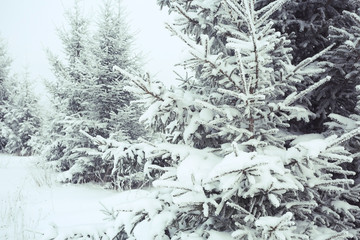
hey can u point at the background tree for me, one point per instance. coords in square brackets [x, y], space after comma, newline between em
[312, 26]
[5, 63]
[68, 94]
[345, 59]
[113, 47]
[74, 70]
[89, 94]
[308, 24]
[22, 119]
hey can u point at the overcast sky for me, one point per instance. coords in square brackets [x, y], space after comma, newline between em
[29, 27]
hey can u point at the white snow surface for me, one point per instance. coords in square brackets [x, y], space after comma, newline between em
[34, 206]
[312, 143]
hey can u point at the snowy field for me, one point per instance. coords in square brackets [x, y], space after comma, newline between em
[34, 206]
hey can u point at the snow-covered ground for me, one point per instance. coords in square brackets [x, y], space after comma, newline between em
[34, 206]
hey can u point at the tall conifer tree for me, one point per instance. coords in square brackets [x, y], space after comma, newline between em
[5, 63]
[113, 47]
[89, 94]
[306, 24]
[309, 25]
[22, 119]
[345, 67]
[228, 170]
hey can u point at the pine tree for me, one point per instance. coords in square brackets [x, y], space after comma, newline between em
[113, 47]
[22, 119]
[90, 95]
[340, 96]
[249, 87]
[228, 167]
[346, 70]
[5, 63]
[309, 25]
[69, 91]
[75, 71]
[306, 24]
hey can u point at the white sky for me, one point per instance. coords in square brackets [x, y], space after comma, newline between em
[29, 27]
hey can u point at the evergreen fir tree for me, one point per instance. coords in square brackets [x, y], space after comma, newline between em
[69, 92]
[90, 95]
[113, 47]
[5, 63]
[75, 71]
[345, 69]
[22, 120]
[309, 25]
[306, 24]
[340, 96]
[227, 162]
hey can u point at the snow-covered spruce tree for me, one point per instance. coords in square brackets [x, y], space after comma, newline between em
[346, 68]
[231, 175]
[74, 70]
[68, 93]
[22, 120]
[313, 25]
[5, 63]
[306, 23]
[111, 104]
[90, 95]
[113, 47]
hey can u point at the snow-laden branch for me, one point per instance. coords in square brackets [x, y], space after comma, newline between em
[308, 61]
[139, 82]
[268, 10]
[345, 137]
[296, 96]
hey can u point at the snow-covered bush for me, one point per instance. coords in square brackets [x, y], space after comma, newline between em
[121, 163]
[67, 152]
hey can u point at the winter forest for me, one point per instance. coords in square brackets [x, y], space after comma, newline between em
[257, 138]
